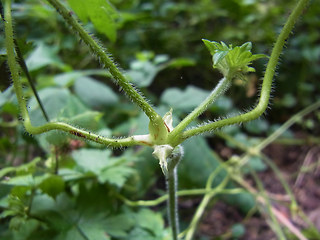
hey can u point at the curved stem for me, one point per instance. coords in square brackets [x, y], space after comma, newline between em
[221, 87]
[191, 192]
[205, 201]
[286, 125]
[266, 85]
[13, 66]
[106, 60]
[123, 142]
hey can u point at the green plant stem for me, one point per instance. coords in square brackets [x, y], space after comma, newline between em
[223, 85]
[276, 225]
[191, 192]
[30, 80]
[266, 85]
[13, 66]
[295, 118]
[310, 140]
[205, 201]
[173, 202]
[275, 169]
[106, 60]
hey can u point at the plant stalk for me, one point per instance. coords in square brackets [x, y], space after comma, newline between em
[266, 84]
[223, 85]
[106, 60]
[14, 69]
[173, 202]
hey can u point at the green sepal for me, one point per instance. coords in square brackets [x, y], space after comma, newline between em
[158, 131]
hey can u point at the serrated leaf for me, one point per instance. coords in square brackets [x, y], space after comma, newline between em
[151, 221]
[116, 175]
[92, 160]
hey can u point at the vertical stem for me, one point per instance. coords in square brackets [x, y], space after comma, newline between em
[13, 66]
[56, 158]
[30, 80]
[172, 202]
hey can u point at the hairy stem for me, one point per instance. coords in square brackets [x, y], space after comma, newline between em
[267, 81]
[172, 182]
[221, 87]
[105, 59]
[13, 66]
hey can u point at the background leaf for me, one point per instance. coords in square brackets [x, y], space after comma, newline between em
[184, 100]
[101, 13]
[93, 93]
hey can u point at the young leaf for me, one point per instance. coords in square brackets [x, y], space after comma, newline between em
[232, 62]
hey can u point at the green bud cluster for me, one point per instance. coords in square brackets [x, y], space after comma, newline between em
[232, 62]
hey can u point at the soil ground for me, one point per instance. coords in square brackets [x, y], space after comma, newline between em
[291, 161]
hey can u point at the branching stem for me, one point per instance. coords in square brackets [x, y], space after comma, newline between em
[173, 138]
[266, 85]
[221, 87]
[13, 66]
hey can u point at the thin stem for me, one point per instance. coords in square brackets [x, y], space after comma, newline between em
[276, 226]
[123, 142]
[295, 118]
[106, 60]
[172, 182]
[30, 80]
[205, 201]
[221, 87]
[282, 180]
[266, 85]
[191, 192]
[172, 202]
[13, 66]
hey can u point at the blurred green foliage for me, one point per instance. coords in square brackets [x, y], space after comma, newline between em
[65, 188]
